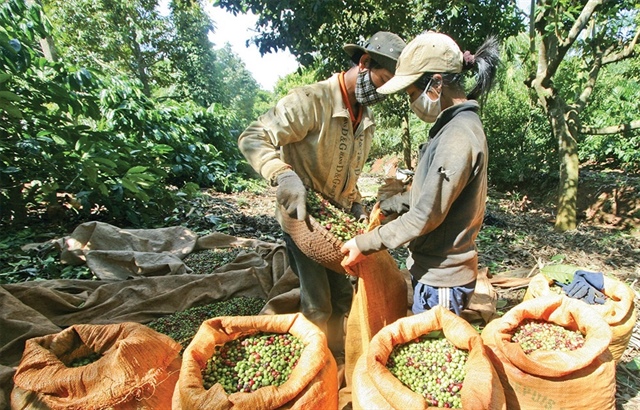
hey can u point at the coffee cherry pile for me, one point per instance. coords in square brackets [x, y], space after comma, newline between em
[182, 326]
[85, 360]
[204, 262]
[534, 334]
[341, 224]
[251, 362]
[433, 368]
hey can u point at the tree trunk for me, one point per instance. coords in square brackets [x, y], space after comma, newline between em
[140, 66]
[46, 44]
[566, 218]
[406, 141]
[49, 49]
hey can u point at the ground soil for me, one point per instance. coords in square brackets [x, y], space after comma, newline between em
[517, 239]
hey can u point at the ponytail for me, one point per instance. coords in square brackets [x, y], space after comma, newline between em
[486, 60]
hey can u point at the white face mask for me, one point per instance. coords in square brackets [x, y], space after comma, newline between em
[425, 108]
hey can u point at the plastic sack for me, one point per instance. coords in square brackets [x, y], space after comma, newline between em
[313, 383]
[618, 310]
[138, 369]
[550, 379]
[380, 299]
[375, 387]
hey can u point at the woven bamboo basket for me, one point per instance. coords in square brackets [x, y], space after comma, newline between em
[318, 243]
[315, 241]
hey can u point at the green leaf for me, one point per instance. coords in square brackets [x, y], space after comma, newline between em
[143, 195]
[59, 140]
[81, 143]
[142, 177]
[129, 185]
[9, 96]
[59, 91]
[435, 334]
[11, 109]
[162, 149]
[91, 172]
[136, 170]
[561, 273]
[103, 189]
[143, 184]
[4, 77]
[46, 140]
[106, 161]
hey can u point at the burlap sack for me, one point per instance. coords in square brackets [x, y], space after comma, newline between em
[138, 369]
[375, 387]
[313, 383]
[391, 187]
[381, 297]
[579, 379]
[618, 310]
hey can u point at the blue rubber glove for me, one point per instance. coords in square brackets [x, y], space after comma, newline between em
[586, 286]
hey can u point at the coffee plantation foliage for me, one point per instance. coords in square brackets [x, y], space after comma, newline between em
[78, 138]
[94, 144]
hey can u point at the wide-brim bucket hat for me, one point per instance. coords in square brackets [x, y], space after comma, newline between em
[383, 47]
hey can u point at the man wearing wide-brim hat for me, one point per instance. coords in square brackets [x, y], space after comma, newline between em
[318, 137]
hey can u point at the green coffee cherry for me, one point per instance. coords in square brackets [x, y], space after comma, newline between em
[182, 326]
[341, 224]
[85, 360]
[535, 334]
[251, 362]
[433, 368]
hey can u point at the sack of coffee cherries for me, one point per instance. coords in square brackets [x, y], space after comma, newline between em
[257, 362]
[115, 366]
[552, 352]
[618, 309]
[427, 361]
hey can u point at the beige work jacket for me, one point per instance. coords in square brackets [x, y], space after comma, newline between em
[310, 130]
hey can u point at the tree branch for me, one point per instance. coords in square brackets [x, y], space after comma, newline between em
[592, 78]
[614, 129]
[565, 44]
[626, 52]
[580, 23]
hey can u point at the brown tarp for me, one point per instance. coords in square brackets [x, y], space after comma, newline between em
[142, 277]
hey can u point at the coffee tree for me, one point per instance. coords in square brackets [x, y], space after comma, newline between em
[73, 138]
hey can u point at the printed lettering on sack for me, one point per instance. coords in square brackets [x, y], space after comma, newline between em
[535, 396]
